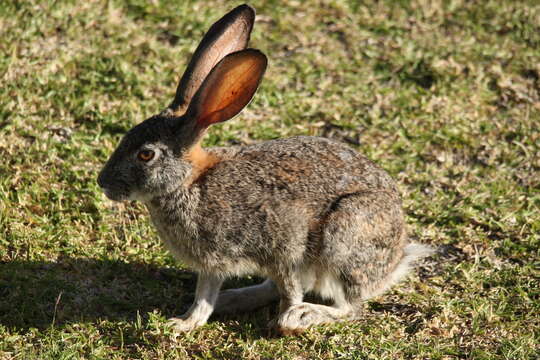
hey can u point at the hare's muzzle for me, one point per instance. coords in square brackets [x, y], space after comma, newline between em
[112, 191]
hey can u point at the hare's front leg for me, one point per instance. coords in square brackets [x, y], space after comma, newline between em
[206, 293]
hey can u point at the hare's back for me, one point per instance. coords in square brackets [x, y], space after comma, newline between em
[304, 168]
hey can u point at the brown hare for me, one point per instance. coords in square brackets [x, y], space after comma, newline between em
[307, 213]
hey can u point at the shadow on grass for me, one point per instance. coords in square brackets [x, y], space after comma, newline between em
[37, 294]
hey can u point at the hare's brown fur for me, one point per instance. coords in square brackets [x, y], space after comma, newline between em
[307, 213]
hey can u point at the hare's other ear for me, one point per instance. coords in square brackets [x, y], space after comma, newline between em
[230, 34]
[228, 88]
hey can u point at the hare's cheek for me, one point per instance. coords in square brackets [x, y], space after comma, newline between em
[142, 196]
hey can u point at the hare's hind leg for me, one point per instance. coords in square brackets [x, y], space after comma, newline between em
[361, 255]
[364, 238]
[247, 298]
[299, 316]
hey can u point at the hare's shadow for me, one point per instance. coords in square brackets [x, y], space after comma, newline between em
[38, 294]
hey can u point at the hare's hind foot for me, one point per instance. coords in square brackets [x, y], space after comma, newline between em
[299, 317]
[247, 298]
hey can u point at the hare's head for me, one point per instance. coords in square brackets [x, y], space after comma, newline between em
[163, 152]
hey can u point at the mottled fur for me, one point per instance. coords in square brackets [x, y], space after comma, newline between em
[308, 213]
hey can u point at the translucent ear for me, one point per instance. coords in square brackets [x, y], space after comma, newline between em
[230, 34]
[228, 88]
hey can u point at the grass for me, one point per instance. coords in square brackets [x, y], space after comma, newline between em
[445, 95]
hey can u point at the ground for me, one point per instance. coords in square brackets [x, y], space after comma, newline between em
[444, 95]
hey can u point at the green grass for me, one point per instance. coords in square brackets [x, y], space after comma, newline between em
[445, 95]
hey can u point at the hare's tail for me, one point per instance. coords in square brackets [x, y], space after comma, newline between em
[411, 253]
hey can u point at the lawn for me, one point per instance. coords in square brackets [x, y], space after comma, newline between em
[444, 95]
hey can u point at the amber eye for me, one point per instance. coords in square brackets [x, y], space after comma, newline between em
[145, 155]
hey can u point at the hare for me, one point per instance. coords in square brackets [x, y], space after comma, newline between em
[307, 213]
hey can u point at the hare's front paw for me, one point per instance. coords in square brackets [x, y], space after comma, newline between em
[185, 324]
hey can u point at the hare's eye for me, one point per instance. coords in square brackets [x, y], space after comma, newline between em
[145, 155]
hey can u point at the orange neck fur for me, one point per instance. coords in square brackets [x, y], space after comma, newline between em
[200, 160]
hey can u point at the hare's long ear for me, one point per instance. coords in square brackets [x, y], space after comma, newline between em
[231, 33]
[228, 88]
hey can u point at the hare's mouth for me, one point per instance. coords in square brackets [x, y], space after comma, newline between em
[113, 195]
